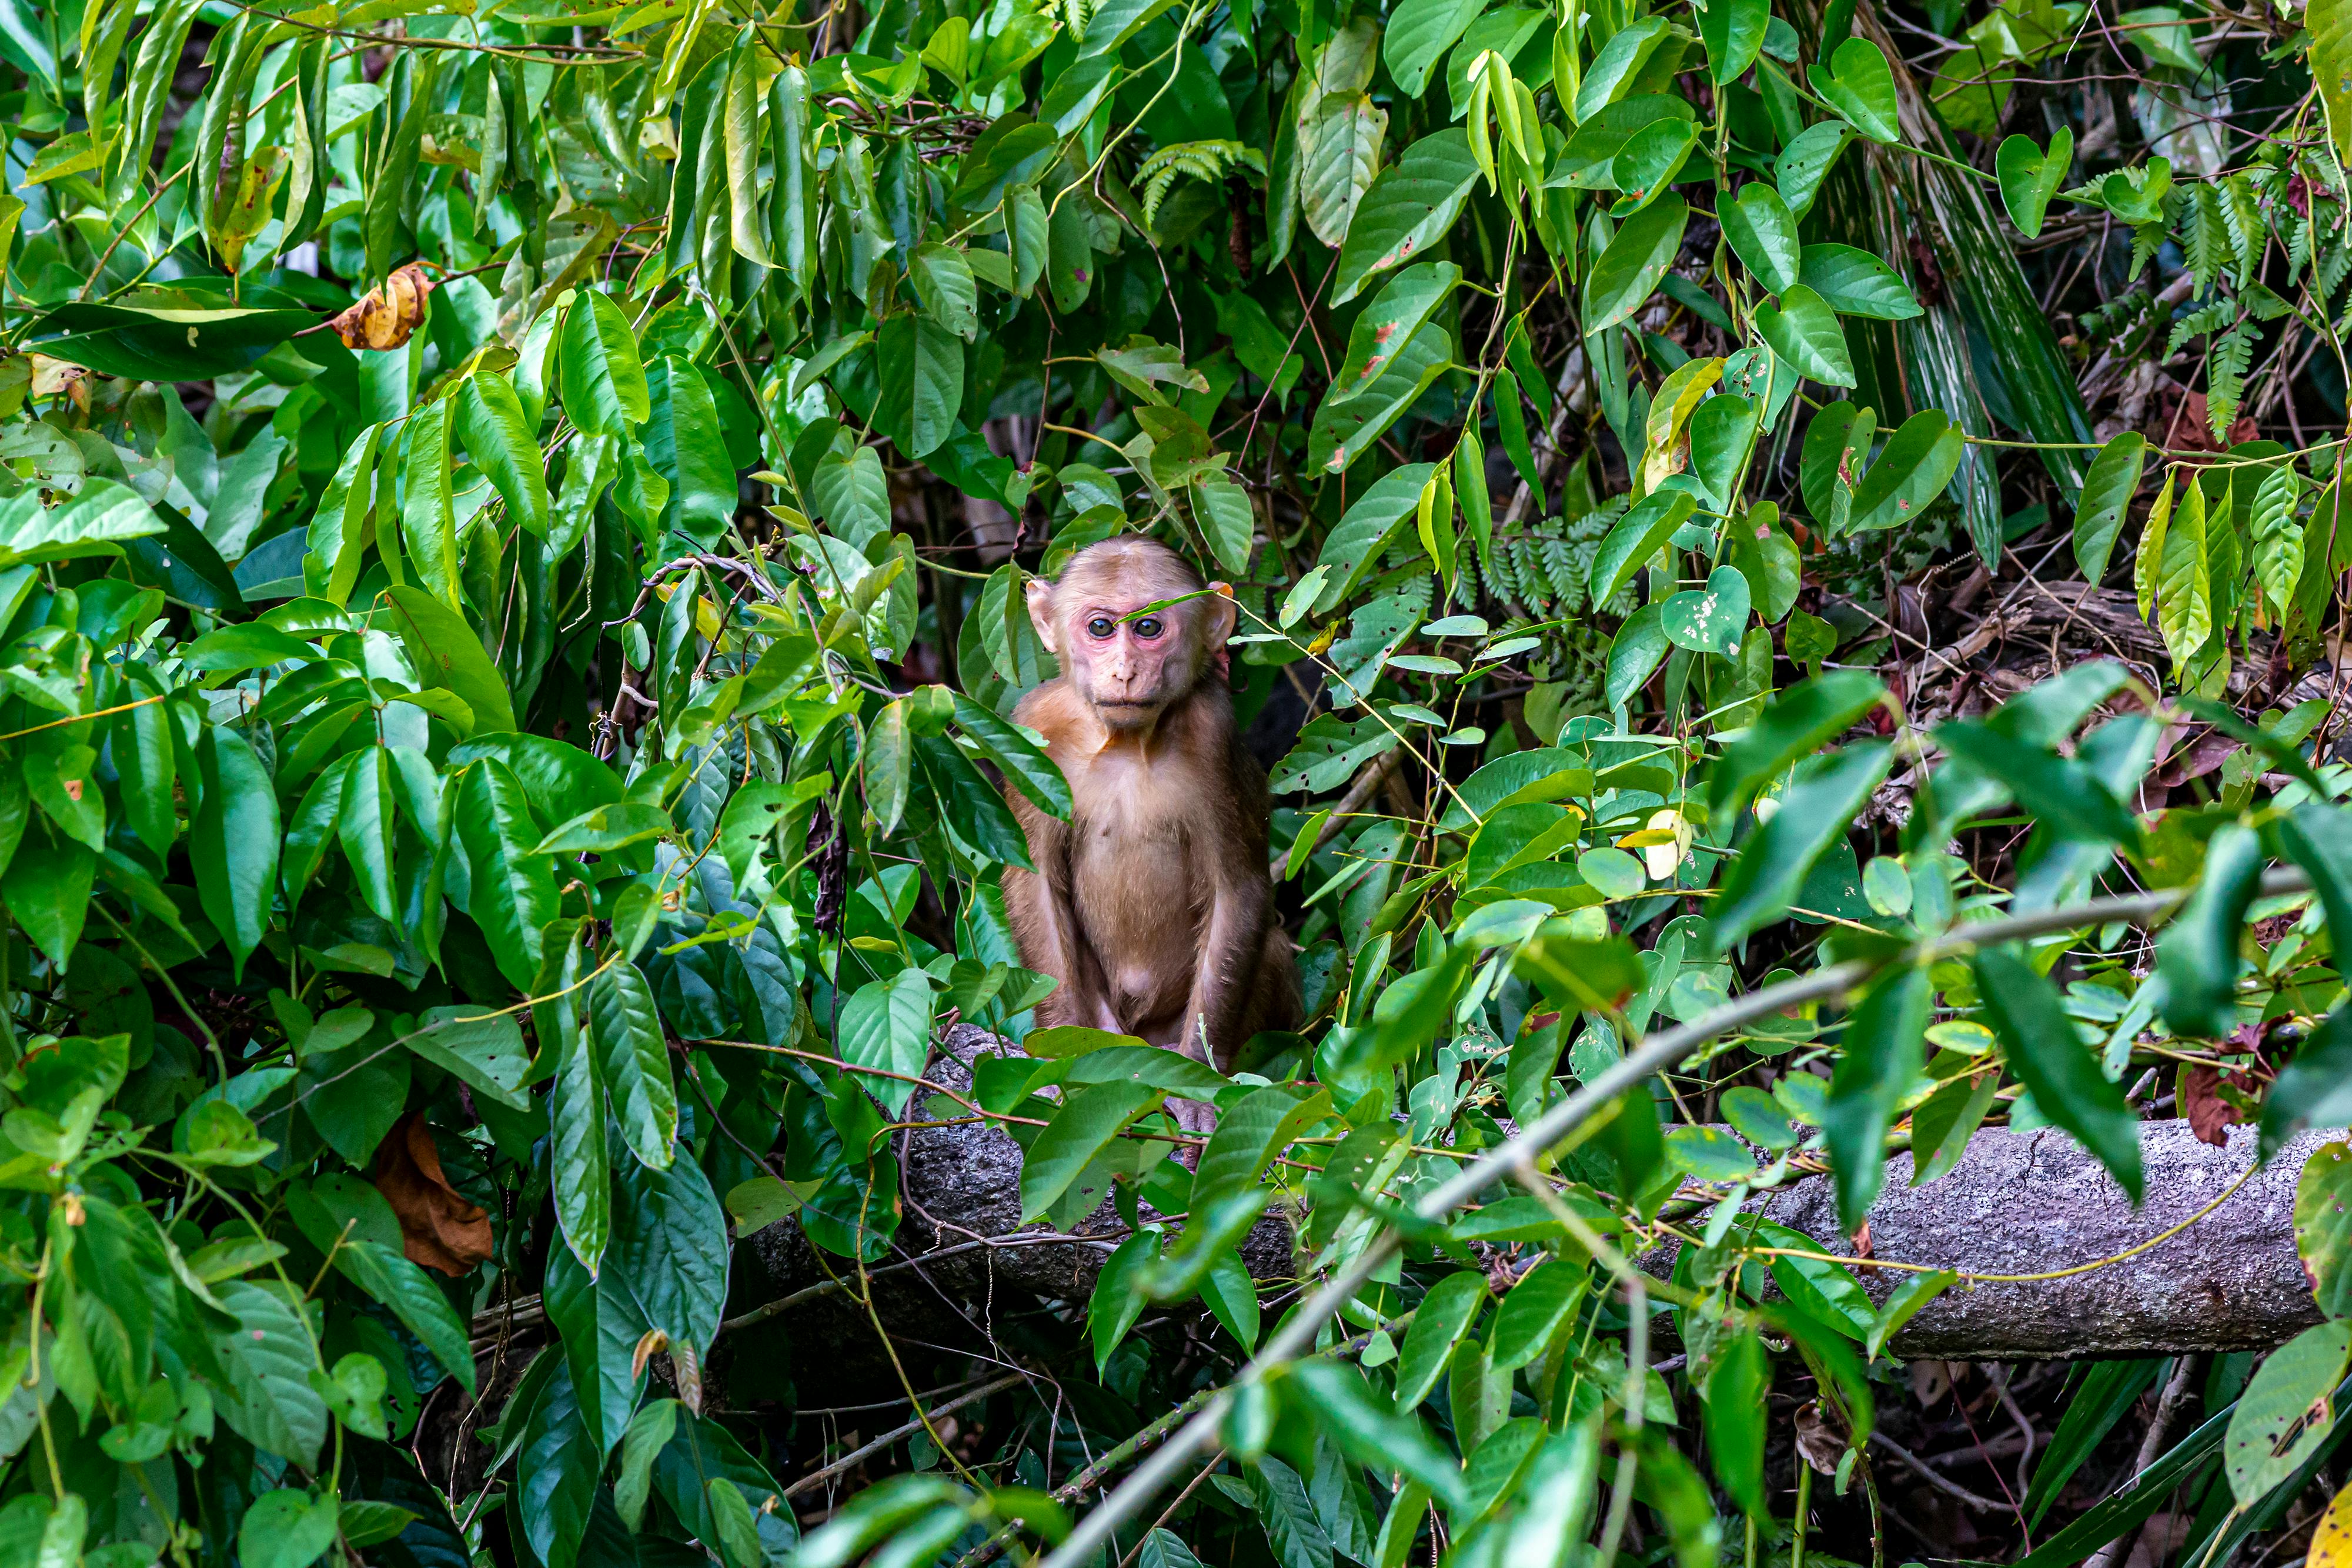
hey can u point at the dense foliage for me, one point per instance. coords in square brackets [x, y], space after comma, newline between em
[1767, 565]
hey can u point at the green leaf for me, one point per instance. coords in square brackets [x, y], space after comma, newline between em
[1371, 1432]
[484, 1048]
[1829, 793]
[502, 444]
[1543, 1302]
[1734, 33]
[604, 381]
[1250, 1135]
[1860, 86]
[1408, 209]
[2104, 1394]
[1805, 162]
[1918, 460]
[1366, 530]
[1222, 509]
[744, 155]
[583, 1187]
[1617, 66]
[447, 655]
[1856, 283]
[1022, 760]
[1635, 539]
[2065, 792]
[2330, 59]
[922, 383]
[1734, 1415]
[1636, 653]
[1763, 232]
[95, 521]
[514, 888]
[399, 1284]
[1438, 1324]
[1280, 1499]
[1345, 428]
[626, 1028]
[1795, 724]
[429, 522]
[1626, 274]
[1080, 1130]
[2042, 1047]
[1339, 149]
[1419, 31]
[1881, 1060]
[1119, 1298]
[1709, 620]
[2323, 1223]
[2030, 177]
[2108, 490]
[685, 446]
[887, 1026]
[268, 1354]
[850, 493]
[2273, 1433]
[365, 825]
[2278, 537]
[287, 1529]
[943, 283]
[2197, 956]
[1395, 317]
[887, 764]
[1804, 331]
[2184, 605]
[233, 840]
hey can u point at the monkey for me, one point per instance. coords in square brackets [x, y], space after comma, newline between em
[1152, 905]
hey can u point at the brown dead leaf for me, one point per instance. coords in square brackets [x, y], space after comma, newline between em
[1817, 1439]
[2210, 1116]
[385, 317]
[437, 1227]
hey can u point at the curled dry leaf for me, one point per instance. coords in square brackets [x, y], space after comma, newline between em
[1819, 1440]
[2210, 1115]
[438, 1229]
[385, 315]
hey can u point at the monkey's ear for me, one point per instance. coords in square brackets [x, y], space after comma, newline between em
[1040, 612]
[1219, 613]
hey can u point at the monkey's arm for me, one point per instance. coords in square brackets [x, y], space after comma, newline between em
[1045, 925]
[1225, 973]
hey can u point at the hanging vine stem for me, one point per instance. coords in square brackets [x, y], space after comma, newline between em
[1521, 1155]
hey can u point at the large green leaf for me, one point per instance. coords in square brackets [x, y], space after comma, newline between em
[922, 383]
[1408, 208]
[1804, 331]
[685, 446]
[2107, 489]
[2049, 1056]
[633, 1058]
[1763, 234]
[500, 440]
[446, 654]
[514, 887]
[1419, 32]
[1816, 811]
[1626, 274]
[1079, 1131]
[887, 1026]
[97, 519]
[604, 381]
[233, 840]
[1882, 1057]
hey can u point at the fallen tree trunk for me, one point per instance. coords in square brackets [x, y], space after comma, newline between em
[2018, 1204]
[2037, 1204]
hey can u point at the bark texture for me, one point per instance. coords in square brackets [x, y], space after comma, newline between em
[2032, 1203]
[2018, 1203]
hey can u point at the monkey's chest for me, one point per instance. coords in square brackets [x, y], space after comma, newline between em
[1139, 886]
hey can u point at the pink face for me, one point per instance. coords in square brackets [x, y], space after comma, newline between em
[1129, 666]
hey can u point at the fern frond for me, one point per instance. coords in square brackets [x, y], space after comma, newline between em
[2225, 378]
[1208, 161]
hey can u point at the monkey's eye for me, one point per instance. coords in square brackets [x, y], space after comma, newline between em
[1147, 628]
[1101, 626]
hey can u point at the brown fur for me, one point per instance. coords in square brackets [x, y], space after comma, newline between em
[1151, 904]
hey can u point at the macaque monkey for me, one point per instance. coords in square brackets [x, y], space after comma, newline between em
[1151, 904]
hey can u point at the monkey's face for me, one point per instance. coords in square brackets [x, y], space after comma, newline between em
[1131, 666]
[1123, 647]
